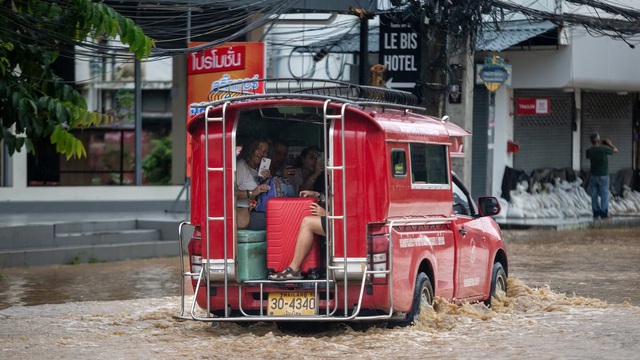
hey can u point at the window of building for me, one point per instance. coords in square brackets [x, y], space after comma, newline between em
[156, 101]
[429, 165]
[110, 148]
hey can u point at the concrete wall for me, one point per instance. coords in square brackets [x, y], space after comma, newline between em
[589, 63]
[604, 64]
[462, 115]
[503, 133]
[548, 68]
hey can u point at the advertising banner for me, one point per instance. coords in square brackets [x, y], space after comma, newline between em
[218, 66]
[223, 65]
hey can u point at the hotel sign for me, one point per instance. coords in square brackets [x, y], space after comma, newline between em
[400, 53]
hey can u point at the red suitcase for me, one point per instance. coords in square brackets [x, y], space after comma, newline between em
[284, 216]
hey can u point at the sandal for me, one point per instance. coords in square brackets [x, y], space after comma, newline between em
[286, 274]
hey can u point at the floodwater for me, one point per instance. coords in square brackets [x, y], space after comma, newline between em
[572, 294]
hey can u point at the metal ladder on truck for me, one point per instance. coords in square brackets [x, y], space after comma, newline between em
[208, 219]
[331, 221]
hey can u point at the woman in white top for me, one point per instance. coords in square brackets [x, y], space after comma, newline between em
[248, 183]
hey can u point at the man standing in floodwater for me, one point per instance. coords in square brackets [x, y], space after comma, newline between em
[599, 179]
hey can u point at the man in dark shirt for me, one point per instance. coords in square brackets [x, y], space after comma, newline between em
[599, 179]
[279, 154]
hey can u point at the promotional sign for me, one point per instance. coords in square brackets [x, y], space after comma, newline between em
[493, 76]
[223, 65]
[225, 58]
[533, 106]
[228, 64]
[400, 52]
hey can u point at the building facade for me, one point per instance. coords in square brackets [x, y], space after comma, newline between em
[590, 83]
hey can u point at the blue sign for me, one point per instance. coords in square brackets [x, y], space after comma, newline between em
[494, 74]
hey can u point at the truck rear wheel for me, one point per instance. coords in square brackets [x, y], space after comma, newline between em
[498, 283]
[422, 297]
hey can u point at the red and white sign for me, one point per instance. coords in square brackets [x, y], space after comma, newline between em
[221, 66]
[222, 58]
[533, 106]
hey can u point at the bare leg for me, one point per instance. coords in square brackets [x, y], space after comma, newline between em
[310, 226]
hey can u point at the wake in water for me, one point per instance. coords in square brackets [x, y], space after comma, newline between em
[443, 315]
[519, 299]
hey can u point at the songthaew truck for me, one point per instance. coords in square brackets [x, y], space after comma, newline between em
[401, 227]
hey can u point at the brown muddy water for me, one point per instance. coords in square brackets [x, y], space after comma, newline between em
[572, 295]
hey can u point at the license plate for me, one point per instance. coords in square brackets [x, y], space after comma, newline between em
[292, 304]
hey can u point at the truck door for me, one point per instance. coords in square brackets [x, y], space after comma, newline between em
[472, 246]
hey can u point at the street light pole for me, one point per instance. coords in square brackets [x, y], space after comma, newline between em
[138, 111]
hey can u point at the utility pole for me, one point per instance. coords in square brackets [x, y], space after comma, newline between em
[434, 37]
[363, 70]
[138, 122]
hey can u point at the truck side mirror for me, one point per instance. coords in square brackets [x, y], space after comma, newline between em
[489, 205]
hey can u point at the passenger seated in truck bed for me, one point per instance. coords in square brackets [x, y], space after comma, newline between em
[248, 185]
[308, 173]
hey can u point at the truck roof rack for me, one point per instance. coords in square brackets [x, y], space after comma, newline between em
[297, 88]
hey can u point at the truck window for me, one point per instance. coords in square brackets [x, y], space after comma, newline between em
[399, 163]
[429, 164]
[460, 201]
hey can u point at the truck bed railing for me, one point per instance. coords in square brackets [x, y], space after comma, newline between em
[183, 272]
[329, 317]
[325, 88]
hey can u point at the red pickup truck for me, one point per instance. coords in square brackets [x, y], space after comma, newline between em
[400, 228]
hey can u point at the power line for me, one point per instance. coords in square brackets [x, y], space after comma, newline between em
[623, 29]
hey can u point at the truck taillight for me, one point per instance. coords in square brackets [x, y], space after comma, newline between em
[378, 257]
[195, 252]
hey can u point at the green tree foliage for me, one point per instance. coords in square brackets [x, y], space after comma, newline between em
[34, 101]
[157, 165]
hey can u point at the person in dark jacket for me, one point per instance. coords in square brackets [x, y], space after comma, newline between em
[599, 174]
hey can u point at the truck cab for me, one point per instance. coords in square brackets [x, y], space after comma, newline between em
[401, 227]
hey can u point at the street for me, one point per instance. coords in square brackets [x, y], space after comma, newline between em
[572, 294]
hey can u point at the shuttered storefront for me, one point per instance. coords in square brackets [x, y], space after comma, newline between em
[545, 140]
[610, 115]
[479, 141]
